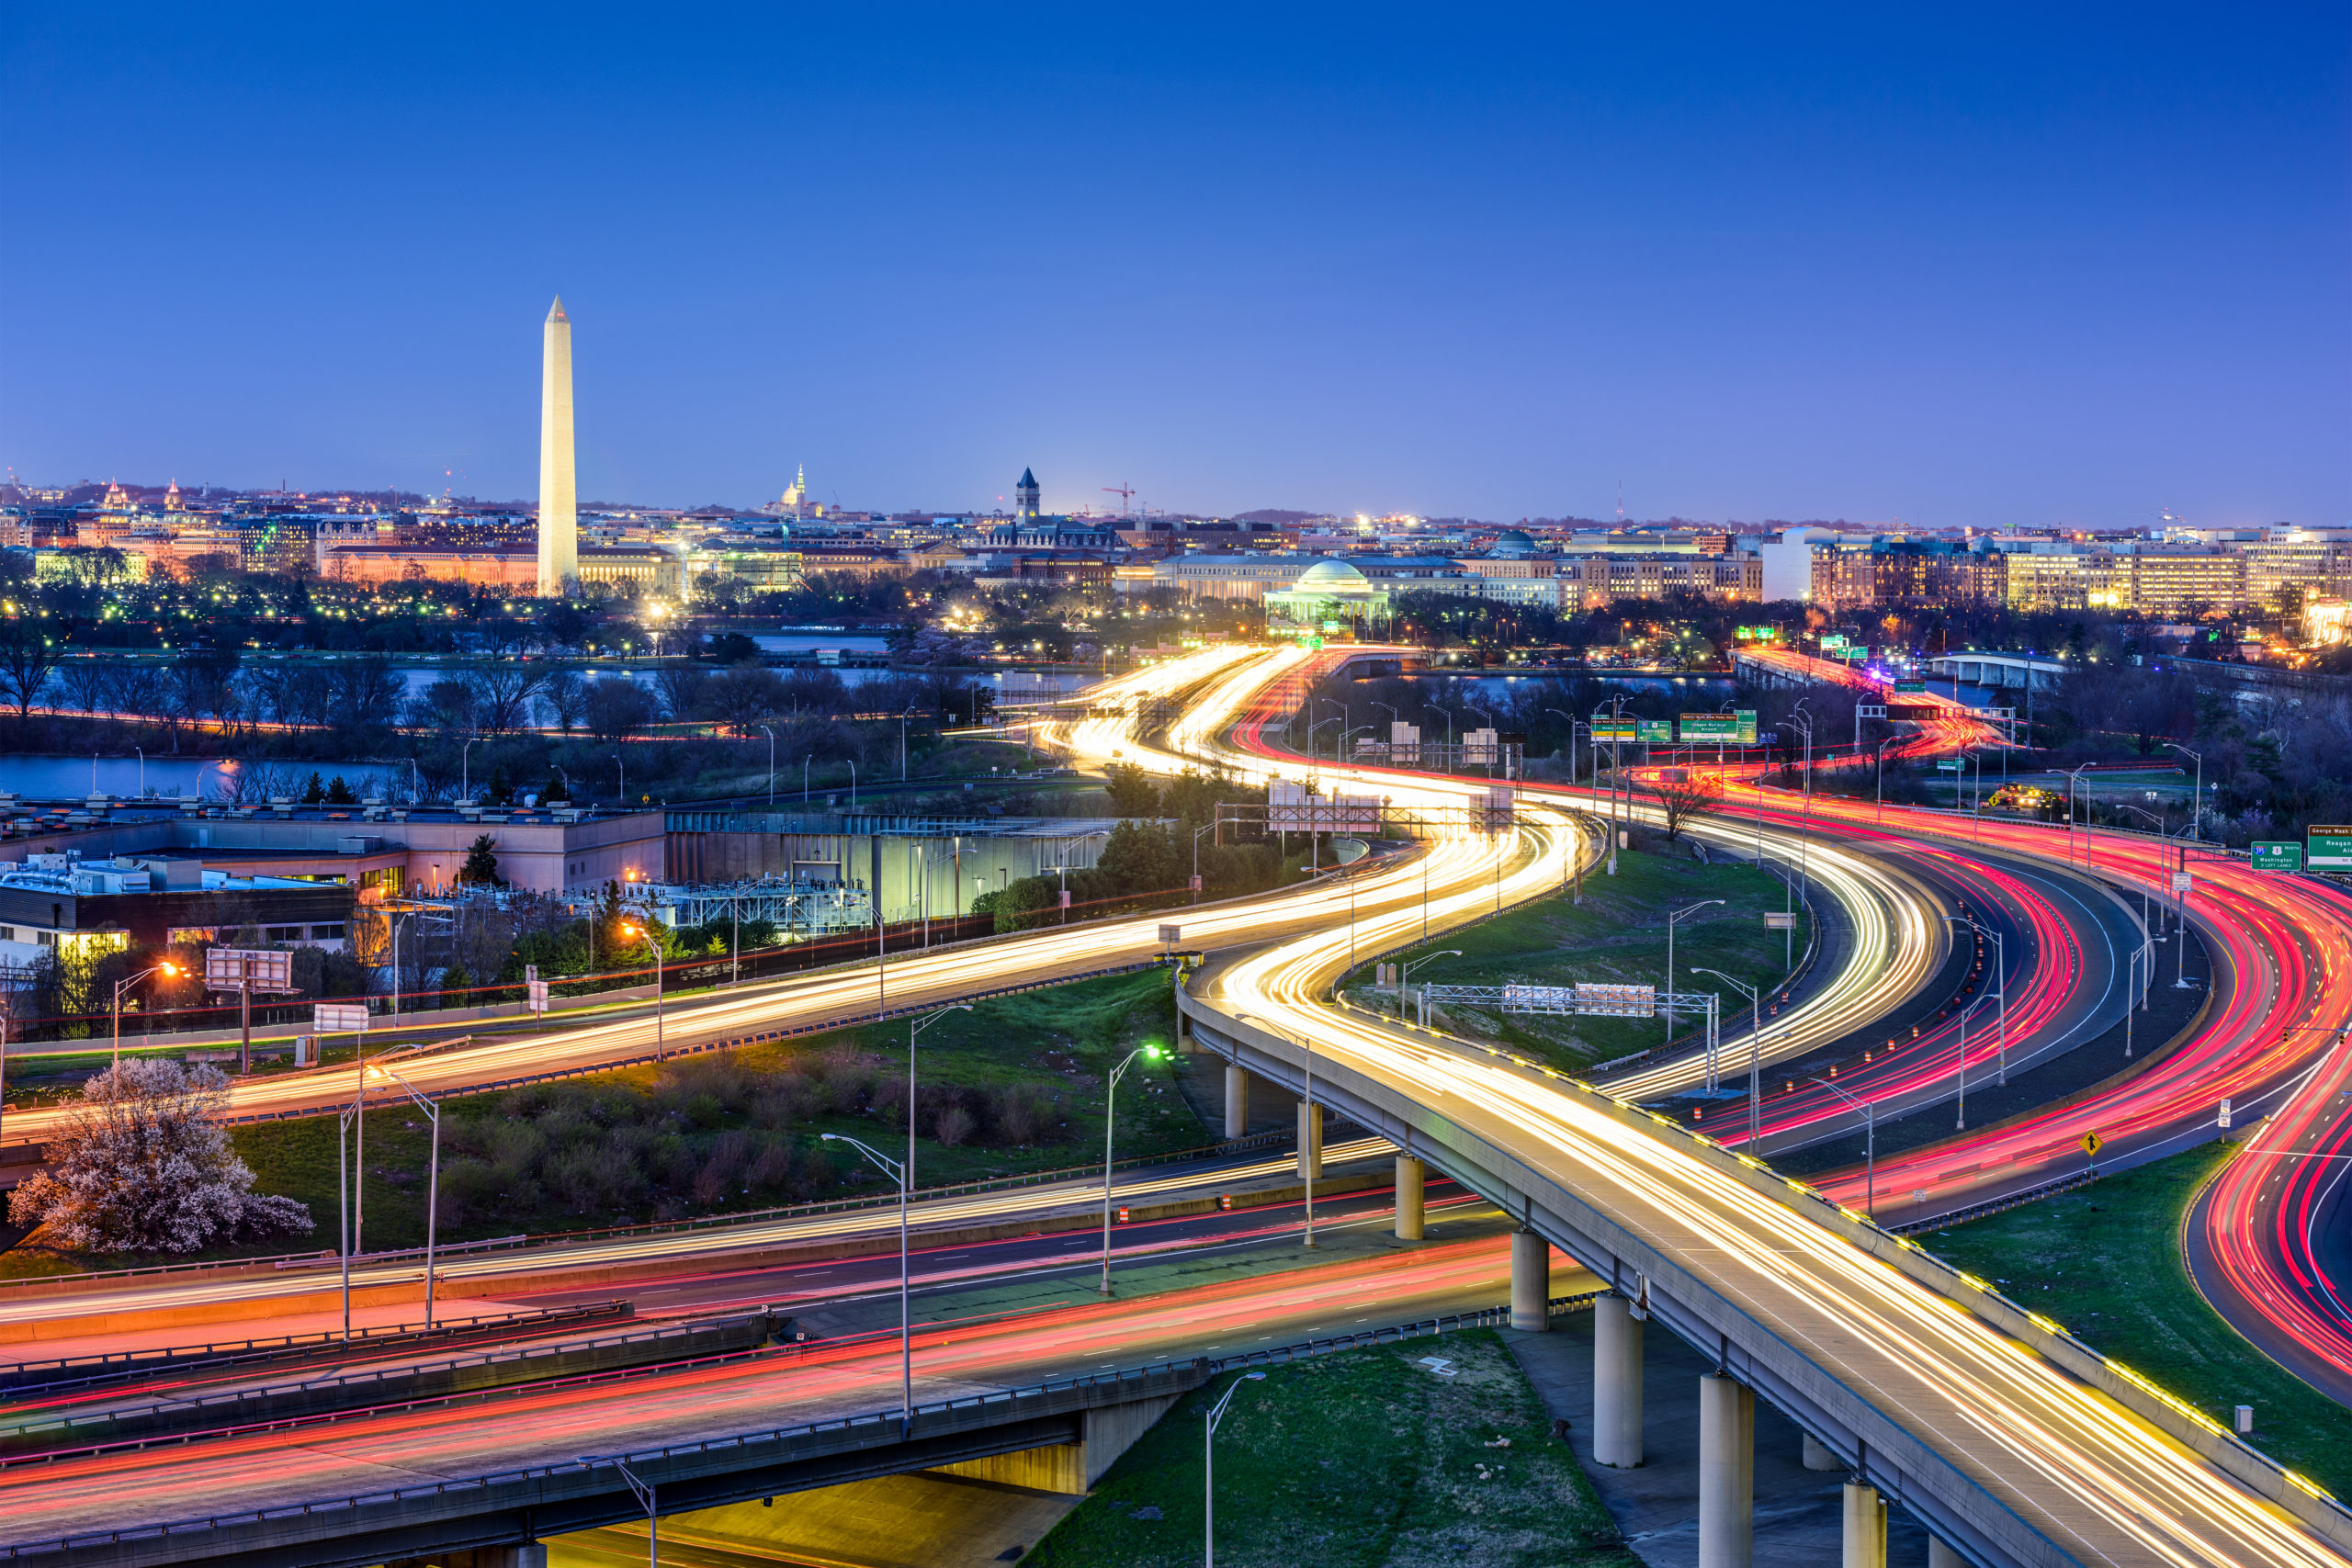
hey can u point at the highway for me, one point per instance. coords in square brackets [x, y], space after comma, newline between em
[2103, 1484]
[1062, 1332]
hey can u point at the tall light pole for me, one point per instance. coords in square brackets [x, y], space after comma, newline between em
[2196, 801]
[2000, 981]
[897, 1173]
[902, 743]
[465, 769]
[122, 985]
[905, 1171]
[646, 932]
[771, 729]
[1881, 774]
[1205, 827]
[1870, 1144]
[1110, 1097]
[2073, 779]
[1404, 974]
[432, 1110]
[1670, 922]
[1755, 1051]
[642, 1490]
[1208, 1467]
[1959, 1088]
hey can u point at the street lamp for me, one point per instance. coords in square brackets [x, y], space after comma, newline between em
[902, 743]
[1881, 774]
[646, 931]
[1404, 974]
[1208, 1467]
[1110, 1094]
[1205, 827]
[2000, 981]
[376, 1069]
[1755, 1050]
[2197, 804]
[897, 1173]
[771, 766]
[1670, 921]
[465, 771]
[1959, 1091]
[122, 985]
[1870, 1144]
[642, 1490]
[2075, 777]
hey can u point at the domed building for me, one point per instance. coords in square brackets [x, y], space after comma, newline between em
[1329, 597]
[1512, 544]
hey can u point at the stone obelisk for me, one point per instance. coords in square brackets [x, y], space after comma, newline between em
[558, 499]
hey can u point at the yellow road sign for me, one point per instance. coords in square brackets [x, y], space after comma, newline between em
[2091, 1142]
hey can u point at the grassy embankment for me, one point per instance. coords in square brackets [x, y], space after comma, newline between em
[1364, 1458]
[2104, 1260]
[1617, 935]
[1015, 1086]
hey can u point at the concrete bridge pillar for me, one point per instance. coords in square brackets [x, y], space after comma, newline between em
[1819, 1455]
[1410, 1214]
[1864, 1530]
[1726, 1474]
[1943, 1556]
[1310, 1141]
[1237, 1101]
[1530, 1282]
[1616, 1384]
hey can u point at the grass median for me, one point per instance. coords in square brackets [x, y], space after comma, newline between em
[1366, 1458]
[1015, 1086]
[1616, 935]
[2105, 1261]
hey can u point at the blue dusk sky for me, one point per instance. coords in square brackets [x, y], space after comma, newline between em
[1993, 264]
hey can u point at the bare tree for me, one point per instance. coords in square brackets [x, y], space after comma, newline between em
[27, 659]
[501, 693]
[89, 683]
[1683, 798]
[563, 699]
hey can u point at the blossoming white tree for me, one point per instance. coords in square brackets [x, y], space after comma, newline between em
[144, 1166]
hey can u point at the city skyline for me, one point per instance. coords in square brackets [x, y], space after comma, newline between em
[2073, 277]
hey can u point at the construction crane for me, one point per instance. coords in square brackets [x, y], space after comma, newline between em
[1124, 491]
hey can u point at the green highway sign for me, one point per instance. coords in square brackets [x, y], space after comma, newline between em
[2273, 855]
[1657, 729]
[1710, 726]
[1953, 766]
[1853, 655]
[1908, 686]
[2330, 847]
[1833, 641]
[1747, 717]
[1605, 733]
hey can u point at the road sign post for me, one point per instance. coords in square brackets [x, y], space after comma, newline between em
[2328, 848]
[246, 970]
[2091, 1142]
[2275, 855]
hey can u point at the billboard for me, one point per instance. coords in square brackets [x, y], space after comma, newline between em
[1480, 746]
[339, 1018]
[1293, 808]
[1713, 726]
[231, 968]
[2329, 849]
[1616, 1001]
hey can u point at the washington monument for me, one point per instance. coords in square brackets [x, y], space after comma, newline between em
[558, 497]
